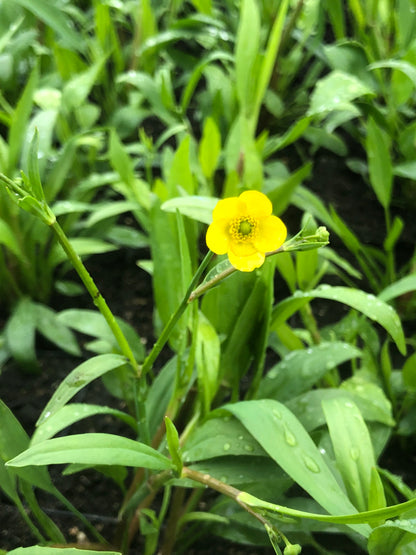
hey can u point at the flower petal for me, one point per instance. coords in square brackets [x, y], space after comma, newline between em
[217, 238]
[246, 263]
[258, 205]
[227, 208]
[271, 234]
[242, 248]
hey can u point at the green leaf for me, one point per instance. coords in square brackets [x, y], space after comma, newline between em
[207, 357]
[39, 550]
[33, 167]
[120, 160]
[126, 236]
[172, 438]
[379, 162]
[246, 55]
[160, 393]
[300, 370]
[83, 246]
[218, 437]
[370, 399]
[407, 170]
[409, 373]
[282, 436]
[398, 288]
[352, 447]
[392, 537]
[20, 335]
[269, 60]
[76, 91]
[19, 121]
[209, 147]
[196, 207]
[376, 495]
[56, 19]
[239, 310]
[290, 136]
[180, 174]
[109, 210]
[74, 412]
[9, 240]
[401, 65]
[168, 289]
[48, 324]
[335, 92]
[246, 470]
[374, 308]
[14, 440]
[80, 377]
[281, 194]
[92, 449]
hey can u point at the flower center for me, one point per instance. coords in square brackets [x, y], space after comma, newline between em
[243, 228]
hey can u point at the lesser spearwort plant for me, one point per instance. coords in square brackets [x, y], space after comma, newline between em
[222, 441]
[249, 450]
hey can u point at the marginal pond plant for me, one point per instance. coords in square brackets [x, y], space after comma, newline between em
[196, 428]
[279, 376]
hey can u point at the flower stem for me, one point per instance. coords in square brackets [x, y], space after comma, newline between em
[221, 487]
[164, 336]
[96, 296]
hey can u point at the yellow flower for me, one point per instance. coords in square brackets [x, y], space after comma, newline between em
[245, 229]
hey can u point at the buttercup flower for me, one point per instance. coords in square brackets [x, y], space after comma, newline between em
[244, 228]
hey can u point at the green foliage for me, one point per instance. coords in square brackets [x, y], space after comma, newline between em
[282, 387]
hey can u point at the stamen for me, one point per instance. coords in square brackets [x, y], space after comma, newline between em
[243, 228]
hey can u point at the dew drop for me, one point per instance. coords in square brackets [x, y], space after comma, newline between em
[249, 448]
[355, 453]
[311, 464]
[224, 479]
[226, 446]
[290, 438]
[240, 437]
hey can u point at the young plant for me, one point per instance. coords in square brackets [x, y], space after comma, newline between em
[229, 447]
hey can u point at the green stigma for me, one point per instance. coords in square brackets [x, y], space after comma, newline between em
[245, 227]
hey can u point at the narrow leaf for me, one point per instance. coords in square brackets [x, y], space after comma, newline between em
[301, 369]
[282, 436]
[39, 550]
[379, 162]
[352, 447]
[373, 307]
[92, 449]
[81, 376]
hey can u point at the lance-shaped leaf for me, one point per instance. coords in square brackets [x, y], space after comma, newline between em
[92, 449]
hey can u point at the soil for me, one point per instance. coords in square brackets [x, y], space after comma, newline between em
[128, 291]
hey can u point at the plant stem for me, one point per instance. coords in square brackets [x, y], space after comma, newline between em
[223, 488]
[176, 511]
[96, 296]
[390, 253]
[164, 336]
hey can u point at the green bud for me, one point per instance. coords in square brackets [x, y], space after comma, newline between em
[322, 234]
[292, 549]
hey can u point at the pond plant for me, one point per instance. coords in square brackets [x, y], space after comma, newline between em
[251, 418]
